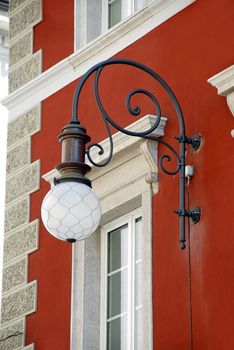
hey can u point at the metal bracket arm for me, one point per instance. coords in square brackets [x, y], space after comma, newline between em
[194, 214]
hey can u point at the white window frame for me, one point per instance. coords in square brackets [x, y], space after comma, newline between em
[128, 219]
[81, 16]
[128, 9]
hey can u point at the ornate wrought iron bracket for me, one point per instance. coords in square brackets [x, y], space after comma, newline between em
[73, 166]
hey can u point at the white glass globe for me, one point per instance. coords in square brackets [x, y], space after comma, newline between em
[71, 211]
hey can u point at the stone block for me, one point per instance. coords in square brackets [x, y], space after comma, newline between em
[29, 347]
[18, 157]
[27, 124]
[21, 48]
[14, 4]
[19, 303]
[16, 342]
[17, 214]
[25, 72]
[23, 182]
[15, 275]
[21, 242]
[27, 16]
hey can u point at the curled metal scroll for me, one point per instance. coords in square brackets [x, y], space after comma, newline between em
[147, 134]
[136, 110]
[108, 120]
[167, 157]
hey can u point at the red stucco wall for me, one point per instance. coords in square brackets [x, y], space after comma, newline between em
[185, 50]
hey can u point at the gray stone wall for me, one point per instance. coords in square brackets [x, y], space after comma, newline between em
[19, 295]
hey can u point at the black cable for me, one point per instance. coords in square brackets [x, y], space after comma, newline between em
[12, 335]
[190, 281]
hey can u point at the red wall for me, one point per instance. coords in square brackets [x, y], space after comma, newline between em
[185, 50]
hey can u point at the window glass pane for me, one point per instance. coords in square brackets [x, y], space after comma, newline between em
[117, 293]
[114, 12]
[117, 334]
[117, 248]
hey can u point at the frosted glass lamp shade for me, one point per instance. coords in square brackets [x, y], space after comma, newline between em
[71, 211]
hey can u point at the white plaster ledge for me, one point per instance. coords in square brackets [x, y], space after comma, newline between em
[224, 82]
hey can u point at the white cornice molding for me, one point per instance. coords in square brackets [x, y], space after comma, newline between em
[104, 47]
[224, 82]
[121, 142]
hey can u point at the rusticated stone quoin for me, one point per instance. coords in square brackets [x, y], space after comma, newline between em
[20, 303]
[23, 178]
[13, 342]
[27, 17]
[25, 181]
[14, 275]
[29, 347]
[27, 124]
[18, 157]
[13, 4]
[21, 242]
[17, 214]
[21, 48]
[25, 72]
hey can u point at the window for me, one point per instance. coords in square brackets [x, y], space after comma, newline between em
[93, 18]
[121, 284]
[117, 10]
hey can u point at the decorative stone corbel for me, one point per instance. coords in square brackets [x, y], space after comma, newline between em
[149, 150]
[224, 82]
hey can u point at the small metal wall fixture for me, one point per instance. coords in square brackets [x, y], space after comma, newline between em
[71, 210]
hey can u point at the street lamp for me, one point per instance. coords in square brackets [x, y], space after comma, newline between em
[71, 210]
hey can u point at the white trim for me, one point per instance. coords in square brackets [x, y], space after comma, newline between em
[128, 219]
[77, 296]
[224, 82]
[80, 32]
[104, 47]
[103, 290]
[104, 16]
